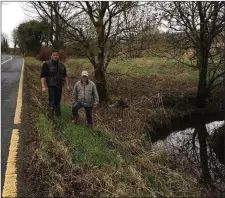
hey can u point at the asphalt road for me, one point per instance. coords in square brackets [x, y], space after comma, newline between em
[10, 76]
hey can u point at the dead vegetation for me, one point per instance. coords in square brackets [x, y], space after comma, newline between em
[149, 99]
[140, 169]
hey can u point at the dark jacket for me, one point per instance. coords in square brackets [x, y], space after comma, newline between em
[54, 72]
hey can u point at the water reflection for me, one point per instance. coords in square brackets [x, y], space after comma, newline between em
[190, 151]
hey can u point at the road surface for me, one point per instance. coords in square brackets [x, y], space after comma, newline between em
[10, 76]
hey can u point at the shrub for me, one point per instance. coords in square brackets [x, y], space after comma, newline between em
[45, 54]
[62, 55]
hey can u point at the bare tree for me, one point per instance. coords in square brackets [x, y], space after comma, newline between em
[138, 39]
[98, 27]
[199, 26]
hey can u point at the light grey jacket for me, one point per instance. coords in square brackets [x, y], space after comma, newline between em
[86, 94]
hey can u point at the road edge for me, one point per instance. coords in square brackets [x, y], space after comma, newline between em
[10, 183]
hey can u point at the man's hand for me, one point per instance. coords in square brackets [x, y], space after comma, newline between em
[43, 89]
[95, 106]
[68, 87]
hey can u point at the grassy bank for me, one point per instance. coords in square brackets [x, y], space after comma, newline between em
[112, 159]
[152, 94]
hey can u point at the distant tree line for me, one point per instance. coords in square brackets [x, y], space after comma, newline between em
[4, 43]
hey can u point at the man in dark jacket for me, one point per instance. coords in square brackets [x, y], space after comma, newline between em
[54, 74]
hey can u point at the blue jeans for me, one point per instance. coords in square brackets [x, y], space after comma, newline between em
[88, 111]
[54, 96]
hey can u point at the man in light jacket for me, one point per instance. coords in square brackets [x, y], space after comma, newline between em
[84, 95]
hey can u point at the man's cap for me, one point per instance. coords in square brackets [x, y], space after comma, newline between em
[84, 73]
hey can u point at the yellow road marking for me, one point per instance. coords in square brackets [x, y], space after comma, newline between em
[10, 184]
[19, 98]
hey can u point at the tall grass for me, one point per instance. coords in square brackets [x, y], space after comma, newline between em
[118, 175]
[65, 155]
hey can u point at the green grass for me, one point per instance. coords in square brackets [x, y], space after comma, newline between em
[150, 66]
[138, 67]
[193, 75]
[45, 127]
[75, 66]
[86, 146]
[149, 178]
[33, 61]
[87, 149]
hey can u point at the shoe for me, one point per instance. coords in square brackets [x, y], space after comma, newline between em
[51, 113]
[58, 111]
[89, 126]
[75, 119]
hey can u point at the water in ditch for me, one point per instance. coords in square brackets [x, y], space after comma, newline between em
[190, 151]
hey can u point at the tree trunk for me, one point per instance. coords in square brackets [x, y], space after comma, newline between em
[202, 60]
[202, 135]
[14, 49]
[100, 66]
[201, 94]
[51, 27]
[101, 83]
[57, 30]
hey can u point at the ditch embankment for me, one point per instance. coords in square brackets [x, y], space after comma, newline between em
[116, 157]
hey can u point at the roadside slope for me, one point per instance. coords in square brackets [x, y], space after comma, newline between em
[67, 160]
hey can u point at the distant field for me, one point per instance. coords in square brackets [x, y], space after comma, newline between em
[138, 67]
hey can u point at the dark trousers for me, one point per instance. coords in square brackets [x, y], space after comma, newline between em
[54, 95]
[88, 111]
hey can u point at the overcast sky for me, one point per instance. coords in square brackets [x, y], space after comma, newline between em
[12, 15]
